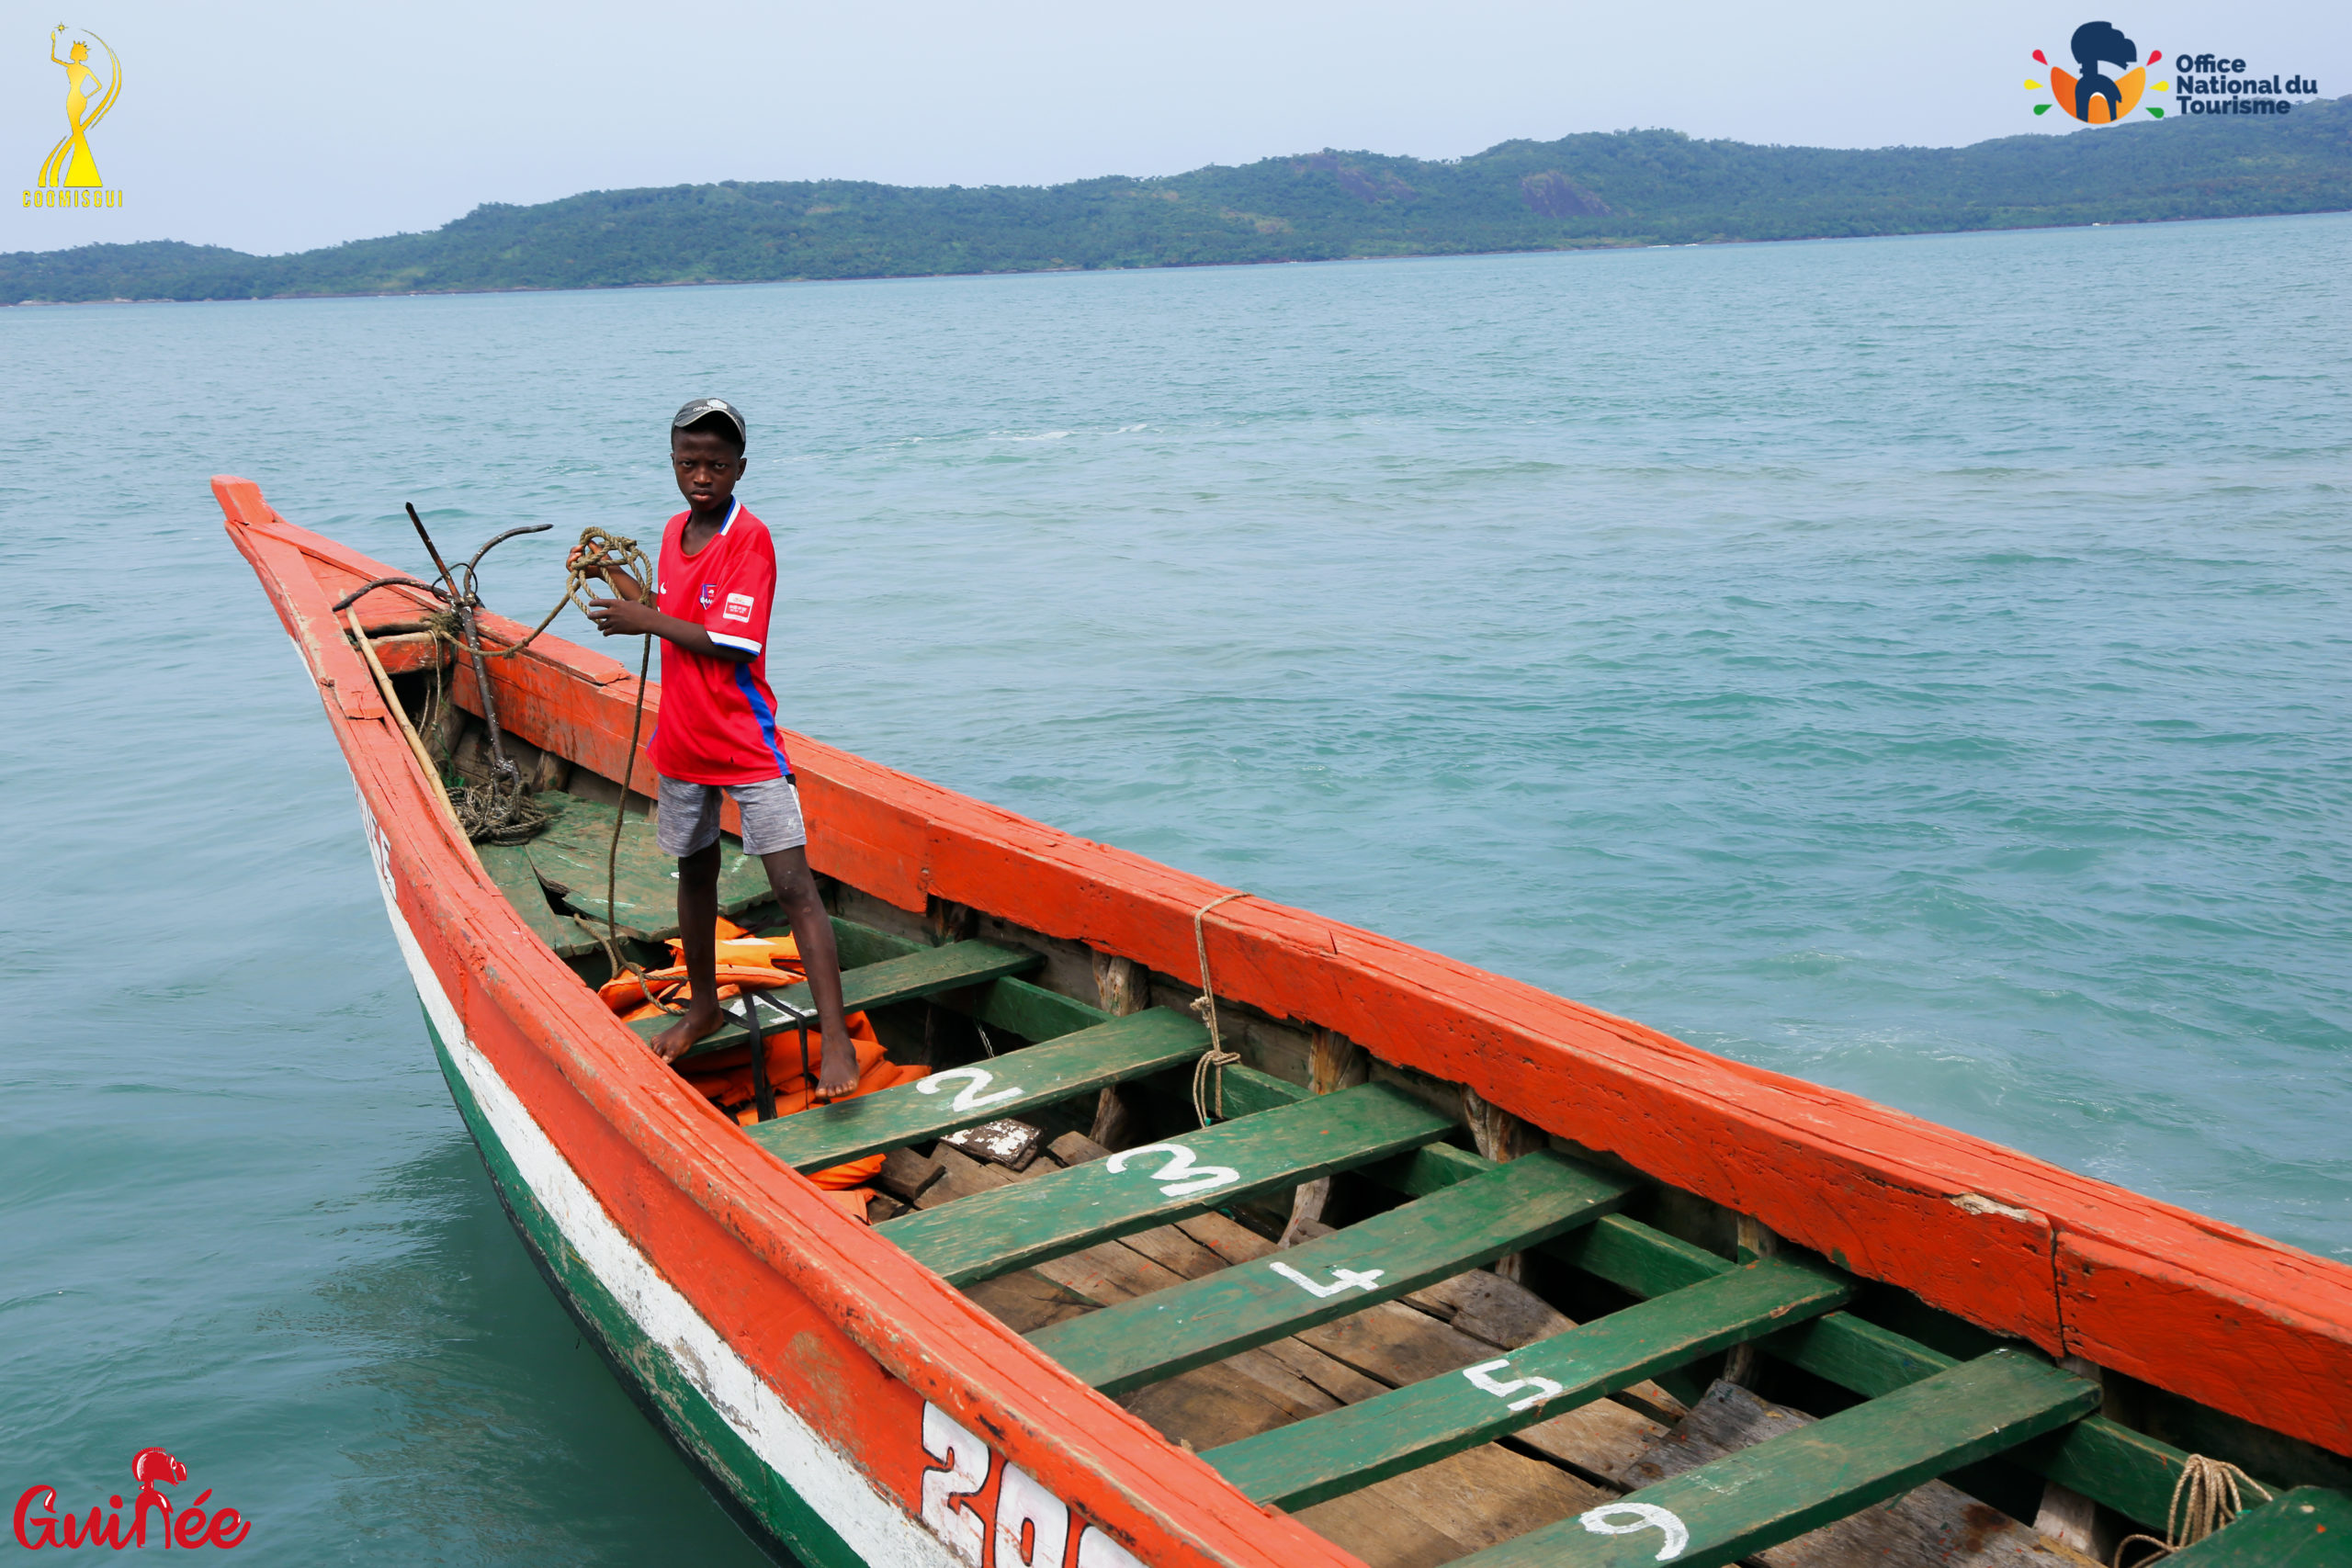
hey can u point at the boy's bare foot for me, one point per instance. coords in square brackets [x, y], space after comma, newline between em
[837, 1078]
[701, 1019]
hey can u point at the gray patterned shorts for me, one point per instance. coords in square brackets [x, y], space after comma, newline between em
[689, 820]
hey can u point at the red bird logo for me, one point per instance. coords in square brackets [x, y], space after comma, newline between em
[152, 1465]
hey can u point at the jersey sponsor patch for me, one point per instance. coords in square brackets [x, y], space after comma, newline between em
[739, 607]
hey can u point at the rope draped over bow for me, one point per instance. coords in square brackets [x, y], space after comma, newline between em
[1208, 1073]
[500, 811]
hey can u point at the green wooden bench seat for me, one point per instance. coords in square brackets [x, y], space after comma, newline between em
[509, 866]
[1137, 1189]
[2307, 1528]
[2127, 1470]
[1072, 1065]
[1508, 1208]
[922, 972]
[1779, 1489]
[1359, 1444]
[1929, 1414]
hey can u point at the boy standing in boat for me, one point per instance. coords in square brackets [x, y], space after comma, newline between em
[714, 586]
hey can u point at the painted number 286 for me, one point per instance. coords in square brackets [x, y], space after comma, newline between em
[1031, 1526]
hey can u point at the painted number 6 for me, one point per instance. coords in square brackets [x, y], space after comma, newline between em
[1173, 1176]
[1640, 1517]
[971, 1098]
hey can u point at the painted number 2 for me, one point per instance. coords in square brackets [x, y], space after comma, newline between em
[1483, 1376]
[1031, 1524]
[961, 1471]
[1180, 1177]
[1638, 1517]
[970, 1099]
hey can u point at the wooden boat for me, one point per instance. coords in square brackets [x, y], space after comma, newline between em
[1556, 1289]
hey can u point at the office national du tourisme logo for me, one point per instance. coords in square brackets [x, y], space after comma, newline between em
[69, 176]
[2202, 83]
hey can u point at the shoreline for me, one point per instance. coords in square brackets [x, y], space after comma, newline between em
[1601, 245]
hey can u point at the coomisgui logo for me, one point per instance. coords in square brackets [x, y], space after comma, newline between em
[40, 1525]
[2202, 83]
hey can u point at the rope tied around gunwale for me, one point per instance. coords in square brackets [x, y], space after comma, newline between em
[1208, 1073]
[2205, 1499]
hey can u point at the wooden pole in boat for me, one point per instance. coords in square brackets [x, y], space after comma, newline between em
[1500, 1136]
[399, 717]
[1333, 1063]
[447, 581]
[1123, 986]
[1754, 1241]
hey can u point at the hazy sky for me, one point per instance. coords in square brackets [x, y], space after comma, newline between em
[270, 126]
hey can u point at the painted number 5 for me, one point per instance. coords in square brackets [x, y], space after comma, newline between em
[1180, 1177]
[1483, 1376]
[971, 1098]
[1638, 1517]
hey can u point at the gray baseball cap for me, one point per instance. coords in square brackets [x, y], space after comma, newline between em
[702, 407]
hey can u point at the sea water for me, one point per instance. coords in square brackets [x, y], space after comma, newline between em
[1918, 665]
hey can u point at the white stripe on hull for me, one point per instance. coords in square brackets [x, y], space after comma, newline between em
[868, 1522]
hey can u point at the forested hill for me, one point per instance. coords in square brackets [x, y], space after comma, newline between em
[1624, 188]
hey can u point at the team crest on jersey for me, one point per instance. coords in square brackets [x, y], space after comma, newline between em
[739, 607]
[709, 592]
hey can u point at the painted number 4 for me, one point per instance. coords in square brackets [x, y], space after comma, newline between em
[1342, 1279]
[1483, 1375]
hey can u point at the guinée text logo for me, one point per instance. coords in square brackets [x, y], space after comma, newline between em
[2094, 97]
[40, 1525]
[69, 175]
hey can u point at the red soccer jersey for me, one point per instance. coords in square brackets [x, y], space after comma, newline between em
[718, 718]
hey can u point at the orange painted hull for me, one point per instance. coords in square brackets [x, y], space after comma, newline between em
[852, 1341]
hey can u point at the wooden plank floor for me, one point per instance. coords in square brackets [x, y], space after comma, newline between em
[1799, 1480]
[509, 866]
[1432, 1516]
[571, 853]
[1482, 1497]
[1935, 1523]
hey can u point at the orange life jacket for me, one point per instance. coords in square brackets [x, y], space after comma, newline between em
[724, 1077]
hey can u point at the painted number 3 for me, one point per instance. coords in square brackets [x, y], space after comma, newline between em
[1629, 1518]
[1180, 1177]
